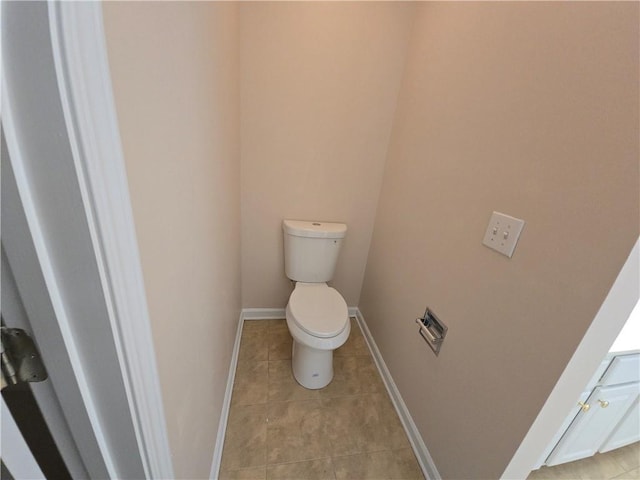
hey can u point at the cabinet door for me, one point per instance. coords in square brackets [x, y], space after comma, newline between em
[575, 410]
[561, 431]
[590, 429]
[628, 430]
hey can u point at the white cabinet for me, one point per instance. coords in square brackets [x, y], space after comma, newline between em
[627, 431]
[612, 418]
[590, 429]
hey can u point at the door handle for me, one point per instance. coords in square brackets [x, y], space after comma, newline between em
[584, 406]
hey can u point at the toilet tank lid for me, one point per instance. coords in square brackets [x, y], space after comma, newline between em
[299, 228]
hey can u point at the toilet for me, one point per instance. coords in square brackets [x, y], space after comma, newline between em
[317, 315]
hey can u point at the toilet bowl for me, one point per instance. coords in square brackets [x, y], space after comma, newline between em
[318, 320]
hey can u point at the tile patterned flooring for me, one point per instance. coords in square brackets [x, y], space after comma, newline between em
[280, 430]
[622, 463]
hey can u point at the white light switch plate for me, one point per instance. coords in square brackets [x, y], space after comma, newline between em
[502, 233]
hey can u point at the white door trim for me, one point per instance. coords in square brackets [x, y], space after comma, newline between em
[594, 346]
[82, 68]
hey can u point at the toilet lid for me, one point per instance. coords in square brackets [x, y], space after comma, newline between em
[318, 309]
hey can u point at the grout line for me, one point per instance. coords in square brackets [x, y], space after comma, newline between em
[299, 461]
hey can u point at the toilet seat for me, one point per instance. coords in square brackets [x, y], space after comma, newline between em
[318, 309]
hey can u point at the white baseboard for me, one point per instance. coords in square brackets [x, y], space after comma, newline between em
[226, 403]
[262, 313]
[276, 313]
[419, 448]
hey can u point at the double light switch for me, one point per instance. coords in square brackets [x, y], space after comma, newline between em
[502, 233]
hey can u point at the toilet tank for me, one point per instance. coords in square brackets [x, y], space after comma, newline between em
[311, 249]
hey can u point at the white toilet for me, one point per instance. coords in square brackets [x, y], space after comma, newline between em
[317, 315]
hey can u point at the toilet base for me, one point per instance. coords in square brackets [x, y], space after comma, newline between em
[312, 368]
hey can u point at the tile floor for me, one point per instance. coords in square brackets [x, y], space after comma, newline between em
[622, 463]
[280, 430]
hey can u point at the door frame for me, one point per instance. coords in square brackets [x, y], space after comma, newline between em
[593, 348]
[86, 99]
[72, 66]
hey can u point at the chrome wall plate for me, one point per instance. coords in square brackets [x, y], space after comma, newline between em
[432, 330]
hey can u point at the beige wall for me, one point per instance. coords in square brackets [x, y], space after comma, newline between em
[319, 89]
[530, 109]
[175, 71]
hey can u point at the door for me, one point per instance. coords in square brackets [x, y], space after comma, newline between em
[590, 429]
[29, 449]
[17, 460]
[35, 407]
[628, 430]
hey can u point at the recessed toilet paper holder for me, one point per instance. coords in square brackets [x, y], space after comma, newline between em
[432, 330]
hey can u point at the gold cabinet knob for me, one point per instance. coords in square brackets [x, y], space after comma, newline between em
[584, 406]
[603, 403]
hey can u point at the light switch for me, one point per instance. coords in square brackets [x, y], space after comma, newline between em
[502, 233]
